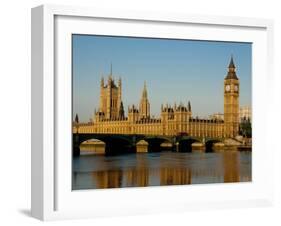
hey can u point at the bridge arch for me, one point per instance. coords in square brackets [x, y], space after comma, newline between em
[114, 144]
[121, 143]
[154, 142]
[92, 146]
[184, 144]
[209, 144]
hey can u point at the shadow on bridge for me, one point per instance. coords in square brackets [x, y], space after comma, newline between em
[114, 144]
[209, 144]
[184, 144]
[123, 144]
[154, 143]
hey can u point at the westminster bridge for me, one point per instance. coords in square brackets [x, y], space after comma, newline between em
[127, 143]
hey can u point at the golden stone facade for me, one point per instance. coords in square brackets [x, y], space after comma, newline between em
[231, 102]
[174, 120]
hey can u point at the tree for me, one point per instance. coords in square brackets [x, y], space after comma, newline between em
[245, 128]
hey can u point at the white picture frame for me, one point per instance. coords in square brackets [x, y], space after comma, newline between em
[52, 197]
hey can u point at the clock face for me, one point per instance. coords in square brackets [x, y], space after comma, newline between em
[236, 88]
[227, 88]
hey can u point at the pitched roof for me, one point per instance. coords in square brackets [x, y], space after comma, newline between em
[231, 74]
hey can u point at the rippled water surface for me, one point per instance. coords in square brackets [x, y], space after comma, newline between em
[162, 168]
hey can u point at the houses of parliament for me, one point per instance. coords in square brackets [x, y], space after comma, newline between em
[110, 118]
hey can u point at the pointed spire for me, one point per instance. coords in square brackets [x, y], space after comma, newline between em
[189, 106]
[121, 111]
[231, 74]
[231, 63]
[111, 69]
[144, 92]
[76, 118]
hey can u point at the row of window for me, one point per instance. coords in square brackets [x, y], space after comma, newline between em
[195, 129]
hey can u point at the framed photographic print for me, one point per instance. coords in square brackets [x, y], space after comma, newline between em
[137, 112]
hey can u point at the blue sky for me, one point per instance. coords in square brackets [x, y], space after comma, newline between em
[174, 71]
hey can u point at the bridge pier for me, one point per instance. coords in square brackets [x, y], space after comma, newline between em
[174, 148]
[174, 144]
[154, 147]
[76, 151]
[76, 145]
[185, 147]
[209, 147]
[121, 144]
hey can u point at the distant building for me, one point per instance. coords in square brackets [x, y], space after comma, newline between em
[218, 116]
[245, 113]
[174, 120]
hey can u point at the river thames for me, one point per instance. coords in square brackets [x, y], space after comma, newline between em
[161, 168]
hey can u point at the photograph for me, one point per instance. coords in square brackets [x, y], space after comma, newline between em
[160, 112]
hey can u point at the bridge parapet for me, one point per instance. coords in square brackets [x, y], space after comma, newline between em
[128, 142]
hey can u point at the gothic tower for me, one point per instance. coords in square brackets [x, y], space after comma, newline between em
[231, 101]
[121, 111]
[144, 104]
[110, 98]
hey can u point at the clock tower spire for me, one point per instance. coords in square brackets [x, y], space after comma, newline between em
[231, 101]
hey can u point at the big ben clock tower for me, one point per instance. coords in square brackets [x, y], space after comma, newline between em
[231, 102]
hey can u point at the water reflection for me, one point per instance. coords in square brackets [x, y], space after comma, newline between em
[165, 168]
[231, 167]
